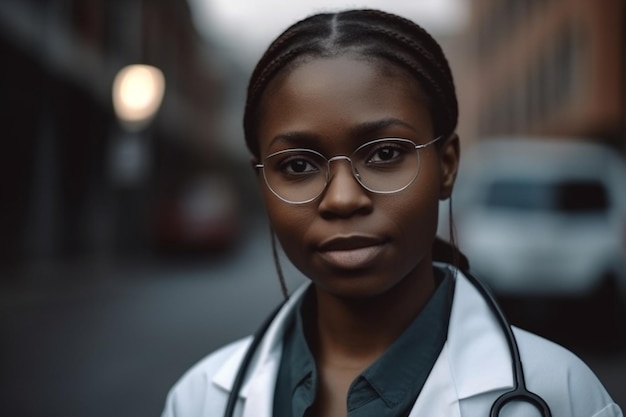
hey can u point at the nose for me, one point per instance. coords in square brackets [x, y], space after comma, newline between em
[344, 196]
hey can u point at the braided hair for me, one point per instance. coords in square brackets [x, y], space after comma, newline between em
[372, 34]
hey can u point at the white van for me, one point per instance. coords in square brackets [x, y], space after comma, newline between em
[543, 217]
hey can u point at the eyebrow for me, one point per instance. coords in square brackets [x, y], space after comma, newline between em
[295, 138]
[365, 129]
[372, 127]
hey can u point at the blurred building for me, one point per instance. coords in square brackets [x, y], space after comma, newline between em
[547, 68]
[61, 189]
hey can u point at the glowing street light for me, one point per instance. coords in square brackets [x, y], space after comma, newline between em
[137, 95]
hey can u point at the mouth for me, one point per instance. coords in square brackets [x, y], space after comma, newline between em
[352, 252]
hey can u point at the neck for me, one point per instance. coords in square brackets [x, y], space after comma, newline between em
[354, 333]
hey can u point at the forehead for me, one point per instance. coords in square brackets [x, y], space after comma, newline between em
[329, 97]
[353, 62]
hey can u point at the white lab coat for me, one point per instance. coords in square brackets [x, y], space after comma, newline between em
[473, 369]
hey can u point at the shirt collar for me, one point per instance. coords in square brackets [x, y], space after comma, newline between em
[399, 374]
[300, 355]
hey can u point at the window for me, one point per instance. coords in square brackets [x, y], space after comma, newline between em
[568, 197]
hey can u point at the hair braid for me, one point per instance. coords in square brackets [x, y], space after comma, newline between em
[434, 77]
[442, 121]
[396, 23]
[270, 70]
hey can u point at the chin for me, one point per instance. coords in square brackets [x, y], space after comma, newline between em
[354, 286]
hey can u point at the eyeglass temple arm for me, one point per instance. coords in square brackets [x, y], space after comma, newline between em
[423, 145]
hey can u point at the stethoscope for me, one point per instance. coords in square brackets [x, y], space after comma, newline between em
[519, 392]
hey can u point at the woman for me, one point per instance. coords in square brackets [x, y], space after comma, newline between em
[351, 119]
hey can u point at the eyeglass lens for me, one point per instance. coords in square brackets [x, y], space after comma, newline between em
[381, 166]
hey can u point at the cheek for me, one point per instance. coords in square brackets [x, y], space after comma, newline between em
[416, 213]
[288, 221]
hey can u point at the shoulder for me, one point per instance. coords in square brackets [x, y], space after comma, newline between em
[541, 355]
[559, 376]
[208, 366]
[196, 393]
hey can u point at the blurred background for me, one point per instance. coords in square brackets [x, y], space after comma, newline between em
[133, 238]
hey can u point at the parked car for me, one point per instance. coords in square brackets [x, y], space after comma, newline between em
[544, 217]
[200, 217]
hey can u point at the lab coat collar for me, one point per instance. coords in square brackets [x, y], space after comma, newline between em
[476, 352]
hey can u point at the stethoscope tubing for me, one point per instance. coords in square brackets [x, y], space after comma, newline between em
[247, 360]
[519, 391]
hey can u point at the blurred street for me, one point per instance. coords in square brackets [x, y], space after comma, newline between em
[114, 338]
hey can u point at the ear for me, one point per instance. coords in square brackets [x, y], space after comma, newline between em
[449, 155]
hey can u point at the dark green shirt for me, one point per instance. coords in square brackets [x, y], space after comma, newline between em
[389, 386]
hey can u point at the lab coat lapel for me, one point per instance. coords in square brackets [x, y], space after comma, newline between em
[257, 393]
[480, 360]
[438, 396]
[474, 360]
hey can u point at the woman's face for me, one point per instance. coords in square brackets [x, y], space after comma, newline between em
[349, 241]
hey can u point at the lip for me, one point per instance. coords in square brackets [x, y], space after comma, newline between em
[351, 252]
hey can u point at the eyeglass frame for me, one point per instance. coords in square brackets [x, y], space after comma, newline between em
[355, 173]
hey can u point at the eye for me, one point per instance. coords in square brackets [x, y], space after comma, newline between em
[297, 164]
[387, 152]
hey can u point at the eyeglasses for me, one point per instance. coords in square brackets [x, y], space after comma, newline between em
[383, 166]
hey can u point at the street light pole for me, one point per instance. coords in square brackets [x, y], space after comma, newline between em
[137, 94]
